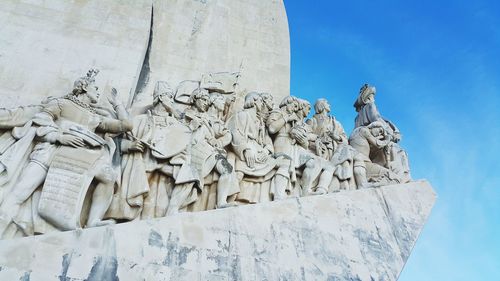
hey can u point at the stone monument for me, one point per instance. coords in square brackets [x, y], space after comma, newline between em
[156, 140]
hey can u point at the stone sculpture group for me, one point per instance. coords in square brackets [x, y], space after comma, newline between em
[81, 160]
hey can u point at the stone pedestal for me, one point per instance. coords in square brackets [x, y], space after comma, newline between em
[357, 235]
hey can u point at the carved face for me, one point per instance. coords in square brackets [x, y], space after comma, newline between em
[259, 103]
[377, 131]
[92, 93]
[327, 107]
[167, 100]
[366, 95]
[306, 108]
[292, 107]
[321, 106]
[370, 98]
[219, 102]
[202, 102]
[268, 101]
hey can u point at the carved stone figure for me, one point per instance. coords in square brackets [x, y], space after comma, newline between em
[291, 138]
[152, 158]
[268, 104]
[324, 126]
[17, 117]
[367, 140]
[220, 107]
[368, 112]
[396, 160]
[303, 139]
[207, 198]
[68, 157]
[365, 107]
[191, 150]
[207, 152]
[393, 157]
[332, 144]
[263, 175]
[16, 142]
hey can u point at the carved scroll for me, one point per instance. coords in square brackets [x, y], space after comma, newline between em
[66, 186]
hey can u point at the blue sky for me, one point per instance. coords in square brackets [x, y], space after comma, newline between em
[436, 66]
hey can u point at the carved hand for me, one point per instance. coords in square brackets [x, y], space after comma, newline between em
[250, 157]
[113, 100]
[195, 124]
[70, 140]
[262, 156]
[136, 146]
[292, 117]
[213, 142]
[301, 138]
[396, 136]
[337, 138]
[382, 143]
[102, 112]
[320, 147]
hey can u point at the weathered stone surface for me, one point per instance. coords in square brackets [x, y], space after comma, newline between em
[44, 45]
[192, 38]
[354, 235]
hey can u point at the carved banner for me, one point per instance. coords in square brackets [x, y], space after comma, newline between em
[66, 186]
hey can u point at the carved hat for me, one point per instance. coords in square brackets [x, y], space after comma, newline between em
[364, 93]
[250, 99]
[198, 94]
[161, 88]
[81, 83]
[320, 105]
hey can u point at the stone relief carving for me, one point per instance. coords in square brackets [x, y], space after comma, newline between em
[383, 138]
[72, 150]
[263, 175]
[81, 160]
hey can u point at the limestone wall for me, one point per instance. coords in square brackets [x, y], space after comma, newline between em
[193, 37]
[46, 45]
[355, 235]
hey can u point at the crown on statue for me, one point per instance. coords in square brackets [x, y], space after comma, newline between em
[91, 74]
[81, 83]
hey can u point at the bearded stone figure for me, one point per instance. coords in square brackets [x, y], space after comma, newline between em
[207, 148]
[72, 150]
[150, 162]
[82, 161]
[263, 175]
[391, 156]
[332, 144]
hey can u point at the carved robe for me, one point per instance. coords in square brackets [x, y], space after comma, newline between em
[367, 114]
[149, 177]
[202, 155]
[365, 143]
[17, 135]
[17, 139]
[331, 134]
[284, 143]
[394, 157]
[62, 116]
[213, 130]
[249, 132]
